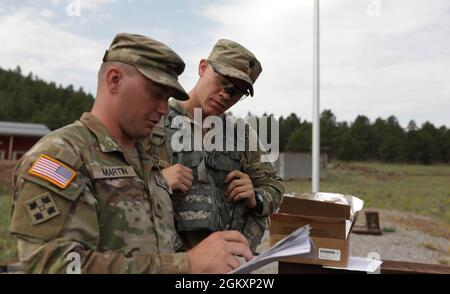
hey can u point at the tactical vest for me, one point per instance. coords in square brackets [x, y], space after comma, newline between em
[204, 206]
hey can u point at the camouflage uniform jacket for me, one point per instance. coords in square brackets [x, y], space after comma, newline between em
[262, 174]
[115, 212]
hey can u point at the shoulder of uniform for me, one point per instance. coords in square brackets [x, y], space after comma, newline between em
[76, 135]
[175, 109]
[46, 180]
[73, 137]
[173, 103]
[249, 127]
[54, 162]
[236, 120]
[64, 144]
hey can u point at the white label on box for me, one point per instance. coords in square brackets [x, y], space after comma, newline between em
[329, 254]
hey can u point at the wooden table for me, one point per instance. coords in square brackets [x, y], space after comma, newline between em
[387, 267]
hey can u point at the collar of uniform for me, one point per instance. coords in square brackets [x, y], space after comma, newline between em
[106, 142]
[175, 105]
[144, 155]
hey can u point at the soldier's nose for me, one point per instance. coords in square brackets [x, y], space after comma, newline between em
[163, 108]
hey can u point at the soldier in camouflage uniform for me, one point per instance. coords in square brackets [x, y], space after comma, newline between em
[90, 189]
[217, 190]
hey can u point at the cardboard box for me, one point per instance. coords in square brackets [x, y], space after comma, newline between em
[330, 224]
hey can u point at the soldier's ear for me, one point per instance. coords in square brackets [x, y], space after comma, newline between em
[203, 65]
[113, 77]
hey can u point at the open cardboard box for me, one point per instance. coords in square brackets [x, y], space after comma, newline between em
[330, 223]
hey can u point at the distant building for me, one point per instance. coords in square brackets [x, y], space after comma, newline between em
[18, 138]
[294, 166]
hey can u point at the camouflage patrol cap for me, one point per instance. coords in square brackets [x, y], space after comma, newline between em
[235, 61]
[151, 58]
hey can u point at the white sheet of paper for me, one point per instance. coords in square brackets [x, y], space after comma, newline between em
[295, 244]
[361, 264]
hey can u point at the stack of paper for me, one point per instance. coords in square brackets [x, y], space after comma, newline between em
[295, 244]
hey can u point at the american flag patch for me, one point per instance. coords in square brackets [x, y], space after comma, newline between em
[53, 171]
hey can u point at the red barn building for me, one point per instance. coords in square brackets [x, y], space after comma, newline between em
[18, 138]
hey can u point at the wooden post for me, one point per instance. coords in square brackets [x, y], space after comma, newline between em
[11, 142]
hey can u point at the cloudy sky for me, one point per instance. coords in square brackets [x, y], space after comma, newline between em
[378, 57]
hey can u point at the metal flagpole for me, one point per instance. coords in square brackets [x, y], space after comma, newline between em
[316, 100]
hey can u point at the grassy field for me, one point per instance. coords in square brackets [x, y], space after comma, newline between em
[8, 249]
[418, 189]
[423, 190]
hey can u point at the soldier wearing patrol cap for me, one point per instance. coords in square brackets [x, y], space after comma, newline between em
[90, 189]
[217, 190]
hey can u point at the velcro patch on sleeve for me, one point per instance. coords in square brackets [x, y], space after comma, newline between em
[53, 171]
[41, 208]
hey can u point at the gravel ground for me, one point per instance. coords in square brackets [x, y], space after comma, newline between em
[402, 245]
[414, 239]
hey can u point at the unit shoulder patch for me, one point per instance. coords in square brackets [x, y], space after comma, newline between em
[41, 208]
[53, 171]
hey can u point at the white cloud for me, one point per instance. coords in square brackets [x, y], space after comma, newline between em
[51, 53]
[395, 63]
[85, 4]
[47, 13]
[94, 4]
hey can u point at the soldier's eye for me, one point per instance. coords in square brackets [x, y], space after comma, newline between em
[232, 91]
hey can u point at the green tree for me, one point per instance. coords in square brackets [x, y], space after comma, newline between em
[287, 126]
[443, 143]
[300, 139]
[361, 132]
[428, 149]
[328, 133]
[391, 148]
[30, 99]
[347, 148]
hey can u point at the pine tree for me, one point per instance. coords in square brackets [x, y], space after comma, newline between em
[30, 99]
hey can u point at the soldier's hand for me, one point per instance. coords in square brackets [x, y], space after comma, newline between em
[218, 253]
[240, 187]
[179, 177]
